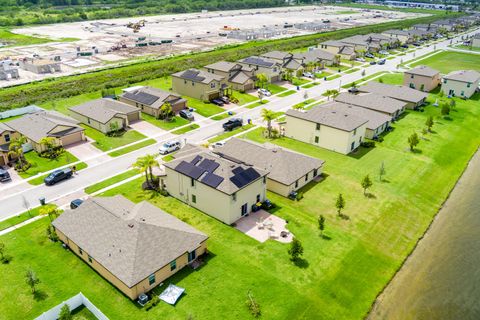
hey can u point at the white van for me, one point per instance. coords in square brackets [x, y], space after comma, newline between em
[169, 146]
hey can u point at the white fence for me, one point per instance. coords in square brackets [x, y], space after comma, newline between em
[19, 111]
[74, 302]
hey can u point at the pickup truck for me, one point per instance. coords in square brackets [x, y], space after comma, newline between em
[57, 176]
[232, 124]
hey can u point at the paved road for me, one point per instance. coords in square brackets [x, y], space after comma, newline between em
[13, 199]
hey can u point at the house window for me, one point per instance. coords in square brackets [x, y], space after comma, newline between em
[264, 179]
[468, 85]
[234, 197]
[90, 259]
[192, 182]
[151, 279]
[193, 83]
[355, 132]
[7, 138]
[258, 198]
[462, 93]
[315, 172]
[191, 256]
[316, 139]
[185, 81]
[353, 146]
[411, 76]
[318, 126]
[80, 251]
[296, 184]
[194, 198]
[212, 85]
[306, 177]
[412, 85]
[173, 265]
[444, 80]
[88, 120]
[244, 209]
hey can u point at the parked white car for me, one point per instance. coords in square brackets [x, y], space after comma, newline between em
[169, 147]
[308, 75]
[265, 92]
[360, 59]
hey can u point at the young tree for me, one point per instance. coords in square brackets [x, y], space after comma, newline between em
[382, 171]
[114, 127]
[16, 150]
[364, 73]
[340, 204]
[453, 104]
[165, 111]
[50, 211]
[48, 142]
[268, 116]
[31, 279]
[305, 95]
[262, 79]
[296, 249]
[321, 223]
[253, 305]
[445, 109]
[413, 141]
[65, 313]
[429, 123]
[366, 183]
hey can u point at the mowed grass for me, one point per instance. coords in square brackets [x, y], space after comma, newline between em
[4, 224]
[340, 275]
[168, 125]
[448, 61]
[275, 88]
[186, 129]
[110, 181]
[131, 148]
[391, 78]
[107, 143]
[244, 98]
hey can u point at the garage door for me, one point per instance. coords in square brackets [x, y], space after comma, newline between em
[134, 117]
[71, 138]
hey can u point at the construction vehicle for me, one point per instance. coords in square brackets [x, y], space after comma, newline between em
[228, 28]
[136, 26]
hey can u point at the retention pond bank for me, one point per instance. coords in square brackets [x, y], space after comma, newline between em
[441, 278]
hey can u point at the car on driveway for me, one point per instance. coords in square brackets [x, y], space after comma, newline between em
[4, 175]
[369, 55]
[57, 176]
[265, 92]
[169, 146]
[218, 102]
[308, 75]
[353, 90]
[232, 124]
[384, 52]
[373, 62]
[186, 114]
[360, 59]
[405, 46]
[74, 204]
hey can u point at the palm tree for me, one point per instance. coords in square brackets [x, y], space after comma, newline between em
[262, 79]
[16, 150]
[166, 110]
[146, 164]
[268, 116]
[49, 143]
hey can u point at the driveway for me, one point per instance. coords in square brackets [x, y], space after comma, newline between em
[87, 153]
[147, 129]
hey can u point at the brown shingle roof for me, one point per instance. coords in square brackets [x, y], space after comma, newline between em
[372, 101]
[397, 92]
[423, 71]
[104, 109]
[469, 76]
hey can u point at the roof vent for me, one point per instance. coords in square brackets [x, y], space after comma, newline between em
[130, 225]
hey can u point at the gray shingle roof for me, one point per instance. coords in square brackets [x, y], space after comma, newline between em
[258, 61]
[104, 109]
[375, 119]
[315, 55]
[423, 71]
[372, 101]
[285, 166]
[279, 55]
[397, 32]
[152, 97]
[469, 76]
[335, 119]
[38, 125]
[132, 241]
[198, 76]
[224, 66]
[226, 169]
[4, 127]
[402, 93]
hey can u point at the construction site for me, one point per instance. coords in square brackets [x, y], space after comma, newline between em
[113, 42]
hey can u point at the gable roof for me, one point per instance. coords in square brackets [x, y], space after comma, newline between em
[224, 66]
[104, 109]
[258, 61]
[38, 125]
[285, 166]
[397, 32]
[331, 118]
[375, 119]
[152, 97]
[469, 76]
[222, 174]
[402, 93]
[278, 55]
[132, 241]
[196, 75]
[423, 71]
[372, 101]
[4, 127]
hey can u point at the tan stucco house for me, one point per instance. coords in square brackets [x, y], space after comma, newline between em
[105, 114]
[289, 170]
[238, 77]
[413, 98]
[41, 124]
[271, 68]
[199, 84]
[375, 102]
[319, 57]
[346, 51]
[333, 130]
[422, 78]
[134, 246]
[462, 83]
[221, 188]
[288, 61]
[401, 35]
[150, 100]
[7, 135]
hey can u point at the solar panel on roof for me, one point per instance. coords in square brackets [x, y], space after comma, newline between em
[192, 75]
[250, 174]
[258, 61]
[141, 97]
[209, 165]
[212, 180]
[195, 160]
[244, 177]
[189, 170]
[238, 180]
[237, 170]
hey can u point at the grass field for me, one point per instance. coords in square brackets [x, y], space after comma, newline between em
[448, 61]
[340, 274]
[228, 134]
[108, 182]
[20, 218]
[183, 130]
[18, 39]
[391, 78]
[469, 48]
[275, 88]
[173, 123]
[244, 98]
[40, 164]
[259, 103]
[107, 143]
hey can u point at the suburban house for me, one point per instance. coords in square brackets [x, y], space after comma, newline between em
[358, 42]
[7, 134]
[476, 41]
[288, 61]
[289, 171]
[271, 68]
[462, 83]
[39, 66]
[412, 97]
[220, 187]
[448, 25]
[8, 70]
[41, 124]
[238, 77]
[320, 58]
[377, 122]
[134, 246]
[199, 84]
[345, 51]
[334, 130]
[416, 34]
[422, 78]
[150, 100]
[401, 35]
[105, 114]
[375, 102]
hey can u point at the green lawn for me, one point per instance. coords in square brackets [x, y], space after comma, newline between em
[391, 78]
[275, 88]
[303, 103]
[62, 105]
[108, 182]
[173, 123]
[352, 70]
[448, 61]
[107, 143]
[132, 148]
[474, 49]
[311, 84]
[191, 127]
[82, 313]
[259, 103]
[300, 81]
[202, 108]
[20, 218]
[333, 77]
[244, 98]
[40, 164]
[348, 85]
[287, 93]
[39, 180]
[322, 74]
[341, 274]
[222, 116]
[228, 134]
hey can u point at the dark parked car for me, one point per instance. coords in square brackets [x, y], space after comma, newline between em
[218, 102]
[373, 62]
[382, 61]
[232, 124]
[353, 90]
[57, 176]
[75, 203]
[404, 46]
[225, 99]
[4, 176]
[186, 114]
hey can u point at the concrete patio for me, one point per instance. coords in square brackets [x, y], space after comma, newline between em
[262, 226]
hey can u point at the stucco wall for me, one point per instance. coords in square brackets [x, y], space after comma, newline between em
[458, 87]
[285, 190]
[429, 83]
[102, 127]
[196, 90]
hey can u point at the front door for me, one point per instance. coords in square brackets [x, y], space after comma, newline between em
[244, 209]
[191, 256]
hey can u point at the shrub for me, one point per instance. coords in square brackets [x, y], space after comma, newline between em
[368, 144]
[152, 303]
[51, 234]
[6, 259]
[299, 196]
[253, 305]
